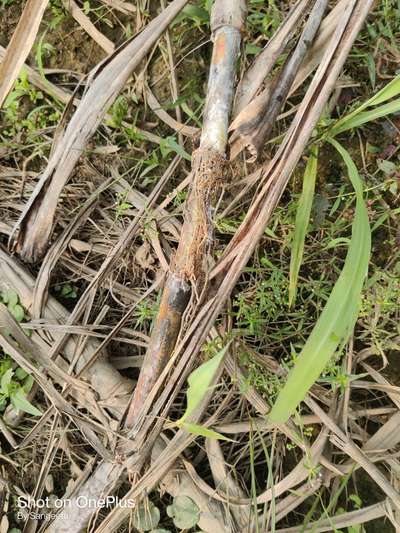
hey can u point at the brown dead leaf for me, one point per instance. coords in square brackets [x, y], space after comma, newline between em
[105, 82]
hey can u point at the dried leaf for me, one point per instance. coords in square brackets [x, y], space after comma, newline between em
[105, 83]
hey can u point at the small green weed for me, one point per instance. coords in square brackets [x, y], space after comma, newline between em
[66, 290]
[15, 383]
[27, 111]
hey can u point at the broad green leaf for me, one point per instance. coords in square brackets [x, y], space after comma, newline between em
[20, 402]
[6, 379]
[388, 167]
[184, 512]
[340, 312]
[20, 373]
[5, 364]
[200, 381]
[204, 432]
[359, 116]
[196, 12]
[27, 384]
[302, 222]
[169, 144]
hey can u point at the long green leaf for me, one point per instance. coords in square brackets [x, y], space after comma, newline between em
[340, 312]
[368, 116]
[199, 383]
[302, 222]
[359, 116]
[203, 431]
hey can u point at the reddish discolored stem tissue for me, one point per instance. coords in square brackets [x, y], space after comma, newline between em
[209, 168]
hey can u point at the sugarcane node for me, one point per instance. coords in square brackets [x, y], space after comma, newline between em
[223, 14]
[210, 168]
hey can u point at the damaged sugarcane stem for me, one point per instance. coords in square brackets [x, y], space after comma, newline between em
[258, 119]
[286, 79]
[209, 168]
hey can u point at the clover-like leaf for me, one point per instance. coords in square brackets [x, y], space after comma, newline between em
[27, 383]
[146, 517]
[17, 312]
[20, 373]
[184, 512]
[6, 379]
[10, 297]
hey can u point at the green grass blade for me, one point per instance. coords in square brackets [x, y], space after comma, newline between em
[367, 116]
[203, 431]
[302, 222]
[390, 90]
[353, 119]
[340, 312]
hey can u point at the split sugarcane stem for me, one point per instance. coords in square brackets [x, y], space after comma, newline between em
[289, 72]
[256, 121]
[209, 168]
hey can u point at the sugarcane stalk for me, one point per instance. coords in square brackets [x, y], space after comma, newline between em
[209, 167]
[227, 22]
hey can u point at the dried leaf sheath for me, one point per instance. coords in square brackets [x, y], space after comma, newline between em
[107, 80]
[263, 64]
[208, 170]
[253, 126]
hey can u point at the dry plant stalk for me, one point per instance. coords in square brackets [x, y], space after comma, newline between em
[263, 64]
[88, 26]
[227, 23]
[209, 168]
